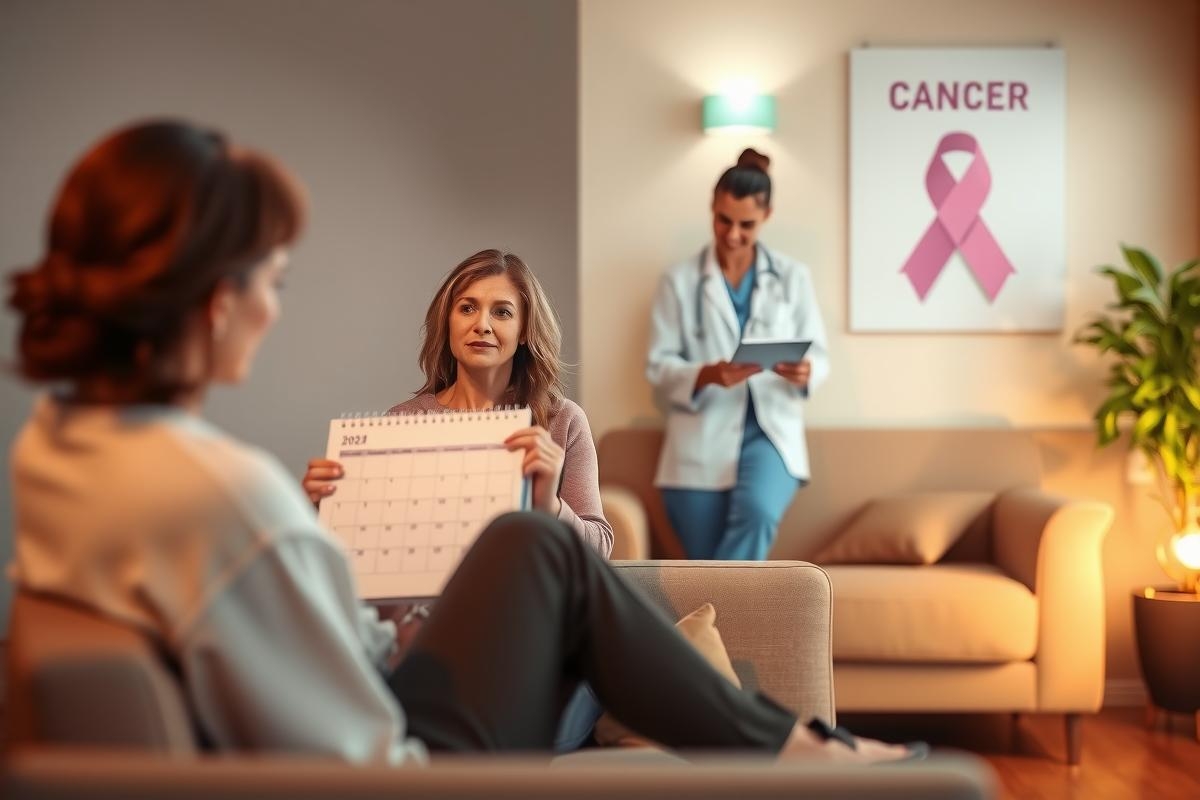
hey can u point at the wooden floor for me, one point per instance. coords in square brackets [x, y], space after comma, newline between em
[1122, 756]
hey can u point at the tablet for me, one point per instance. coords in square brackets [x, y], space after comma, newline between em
[769, 352]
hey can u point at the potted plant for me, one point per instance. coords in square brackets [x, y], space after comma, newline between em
[1154, 382]
[1154, 385]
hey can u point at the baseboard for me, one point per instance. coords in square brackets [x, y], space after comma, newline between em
[1124, 692]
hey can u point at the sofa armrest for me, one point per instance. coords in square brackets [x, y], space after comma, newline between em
[58, 775]
[1053, 546]
[774, 617]
[631, 530]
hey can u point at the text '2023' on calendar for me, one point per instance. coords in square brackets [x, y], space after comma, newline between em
[417, 490]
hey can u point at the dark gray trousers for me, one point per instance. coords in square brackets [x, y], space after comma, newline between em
[531, 612]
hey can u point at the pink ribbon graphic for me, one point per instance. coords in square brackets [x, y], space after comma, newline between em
[957, 225]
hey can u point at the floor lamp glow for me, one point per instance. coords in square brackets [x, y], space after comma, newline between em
[738, 113]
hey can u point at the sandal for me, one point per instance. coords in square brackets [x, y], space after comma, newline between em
[917, 751]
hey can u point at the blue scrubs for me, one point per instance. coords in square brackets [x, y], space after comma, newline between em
[737, 524]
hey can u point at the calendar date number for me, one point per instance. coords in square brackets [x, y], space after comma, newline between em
[353, 439]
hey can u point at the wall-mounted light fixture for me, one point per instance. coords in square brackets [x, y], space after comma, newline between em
[738, 112]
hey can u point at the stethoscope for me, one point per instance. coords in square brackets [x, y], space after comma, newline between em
[704, 276]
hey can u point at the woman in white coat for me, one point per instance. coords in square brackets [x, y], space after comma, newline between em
[734, 453]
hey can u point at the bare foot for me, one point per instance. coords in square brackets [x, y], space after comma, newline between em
[804, 745]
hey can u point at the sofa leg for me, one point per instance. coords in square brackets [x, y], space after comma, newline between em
[1074, 743]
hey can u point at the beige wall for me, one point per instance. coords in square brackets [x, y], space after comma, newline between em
[425, 130]
[646, 171]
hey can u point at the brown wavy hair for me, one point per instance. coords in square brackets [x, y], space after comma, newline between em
[146, 225]
[537, 365]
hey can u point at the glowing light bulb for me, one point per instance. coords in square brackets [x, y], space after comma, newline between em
[1187, 549]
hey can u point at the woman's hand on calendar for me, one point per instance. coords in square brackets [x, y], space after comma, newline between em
[543, 462]
[318, 481]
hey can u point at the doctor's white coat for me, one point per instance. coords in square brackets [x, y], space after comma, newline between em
[693, 323]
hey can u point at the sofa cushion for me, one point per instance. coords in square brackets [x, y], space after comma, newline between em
[962, 613]
[911, 528]
[699, 628]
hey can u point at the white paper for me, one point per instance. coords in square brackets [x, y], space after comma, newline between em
[418, 490]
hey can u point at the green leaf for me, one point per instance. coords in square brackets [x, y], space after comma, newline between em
[1183, 292]
[1126, 284]
[1170, 346]
[1171, 428]
[1169, 461]
[1182, 274]
[1147, 297]
[1146, 423]
[1092, 333]
[1145, 367]
[1116, 344]
[1139, 327]
[1189, 418]
[1108, 414]
[1152, 389]
[1106, 428]
[1144, 265]
[1192, 393]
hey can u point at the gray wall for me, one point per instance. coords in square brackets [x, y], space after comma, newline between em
[425, 130]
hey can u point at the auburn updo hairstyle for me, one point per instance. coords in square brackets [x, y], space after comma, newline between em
[145, 227]
[748, 178]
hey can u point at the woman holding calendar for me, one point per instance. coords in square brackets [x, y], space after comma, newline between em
[165, 250]
[491, 339]
[734, 452]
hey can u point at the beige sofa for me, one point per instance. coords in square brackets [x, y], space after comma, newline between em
[92, 712]
[1010, 619]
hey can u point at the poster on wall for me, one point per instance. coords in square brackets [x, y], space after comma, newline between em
[956, 189]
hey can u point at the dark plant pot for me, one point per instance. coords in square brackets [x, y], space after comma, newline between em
[1168, 637]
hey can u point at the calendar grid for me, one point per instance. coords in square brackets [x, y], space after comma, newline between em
[414, 498]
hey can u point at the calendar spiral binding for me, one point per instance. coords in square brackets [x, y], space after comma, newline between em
[368, 419]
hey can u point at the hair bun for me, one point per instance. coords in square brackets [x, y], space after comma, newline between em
[58, 339]
[752, 159]
[44, 288]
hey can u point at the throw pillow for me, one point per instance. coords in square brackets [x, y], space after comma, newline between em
[915, 528]
[700, 629]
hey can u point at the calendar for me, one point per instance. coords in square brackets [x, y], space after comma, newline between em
[418, 489]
